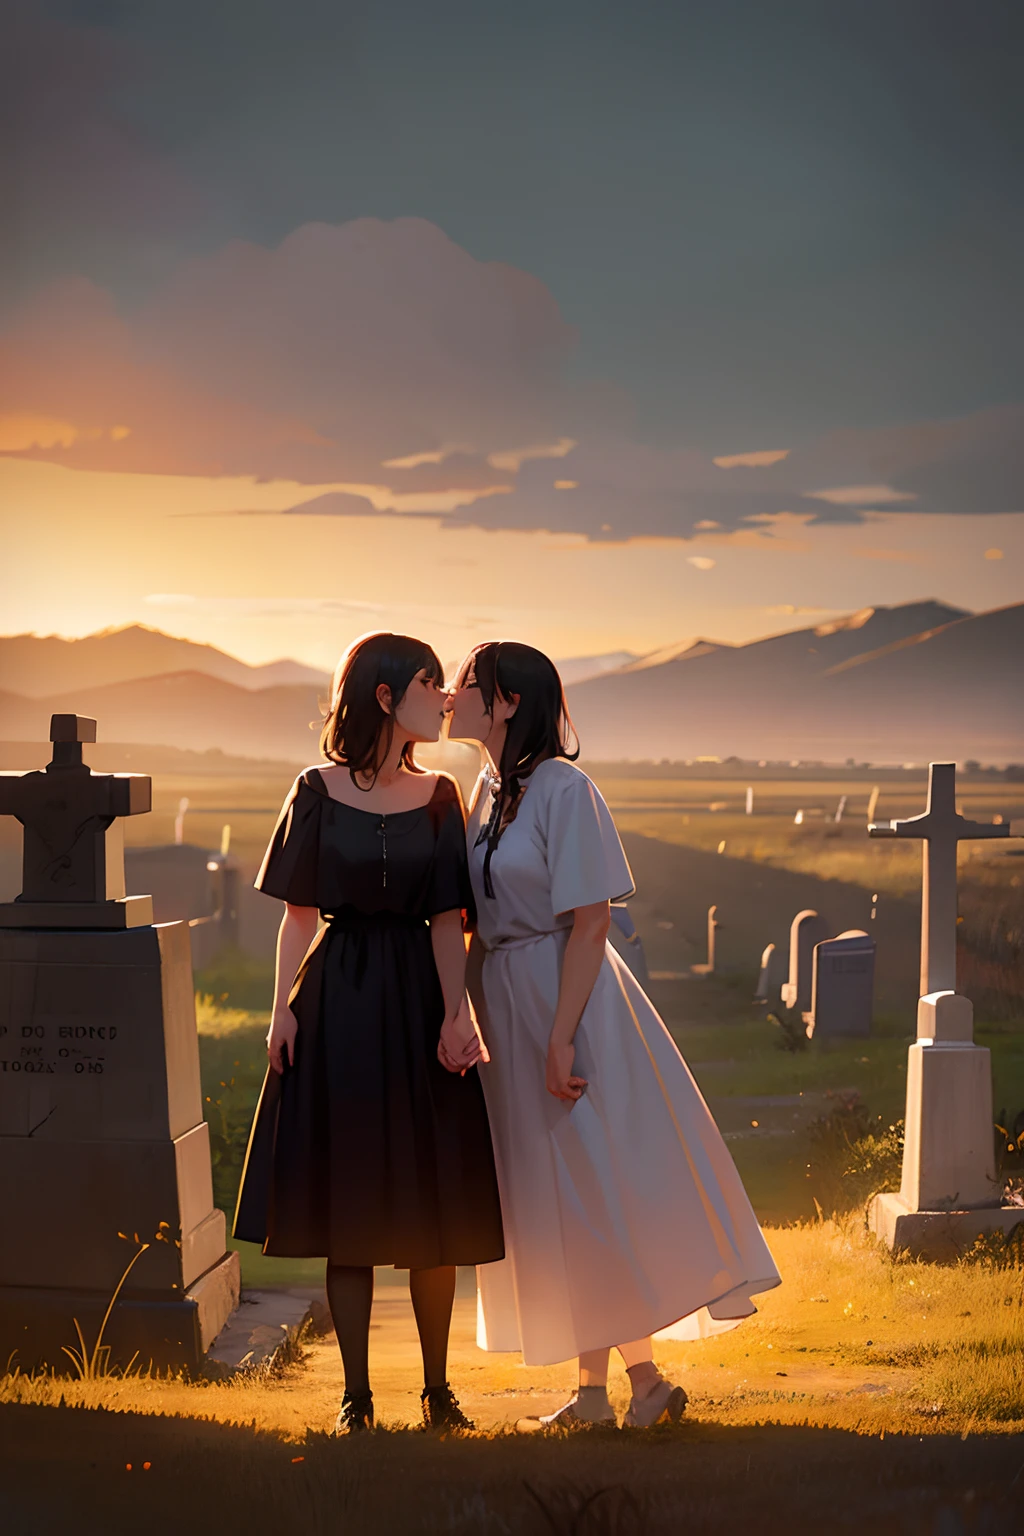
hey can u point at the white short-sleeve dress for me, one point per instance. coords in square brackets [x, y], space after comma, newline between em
[624, 1214]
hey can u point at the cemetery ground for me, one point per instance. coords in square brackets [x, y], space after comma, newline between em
[864, 1390]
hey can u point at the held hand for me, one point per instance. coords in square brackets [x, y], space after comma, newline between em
[281, 1041]
[460, 1046]
[561, 1080]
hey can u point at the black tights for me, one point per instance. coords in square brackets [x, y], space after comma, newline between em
[350, 1296]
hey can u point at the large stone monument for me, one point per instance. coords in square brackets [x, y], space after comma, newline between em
[102, 1137]
[949, 1194]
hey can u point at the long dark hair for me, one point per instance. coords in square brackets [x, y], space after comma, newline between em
[356, 725]
[540, 728]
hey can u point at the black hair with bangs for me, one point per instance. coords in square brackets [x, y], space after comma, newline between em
[357, 732]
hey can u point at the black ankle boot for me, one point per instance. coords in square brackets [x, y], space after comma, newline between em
[356, 1413]
[441, 1409]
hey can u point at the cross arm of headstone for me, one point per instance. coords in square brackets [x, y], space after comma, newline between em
[67, 812]
[928, 825]
[941, 819]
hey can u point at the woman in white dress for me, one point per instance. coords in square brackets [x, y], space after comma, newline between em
[623, 1211]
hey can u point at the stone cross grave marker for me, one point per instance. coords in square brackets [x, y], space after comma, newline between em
[101, 1121]
[806, 930]
[941, 827]
[842, 986]
[949, 1193]
[73, 850]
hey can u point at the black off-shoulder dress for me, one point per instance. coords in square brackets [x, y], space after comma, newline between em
[367, 1151]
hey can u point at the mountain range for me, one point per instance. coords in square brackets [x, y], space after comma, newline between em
[37, 666]
[910, 683]
[918, 682]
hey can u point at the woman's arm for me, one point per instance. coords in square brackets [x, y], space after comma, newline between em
[581, 964]
[294, 937]
[459, 1046]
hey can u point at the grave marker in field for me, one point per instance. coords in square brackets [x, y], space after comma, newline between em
[949, 1193]
[766, 975]
[101, 1124]
[842, 986]
[806, 930]
[708, 969]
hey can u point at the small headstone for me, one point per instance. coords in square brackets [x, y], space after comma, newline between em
[179, 820]
[842, 986]
[767, 979]
[708, 969]
[806, 930]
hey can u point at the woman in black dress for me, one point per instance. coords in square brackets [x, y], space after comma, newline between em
[364, 1148]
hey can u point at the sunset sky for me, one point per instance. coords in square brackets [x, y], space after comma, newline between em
[599, 324]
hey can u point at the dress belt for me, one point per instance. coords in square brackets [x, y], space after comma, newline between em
[533, 938]
[370, 922]
[362, 924]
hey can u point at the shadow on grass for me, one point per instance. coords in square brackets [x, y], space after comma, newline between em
[81, 1470]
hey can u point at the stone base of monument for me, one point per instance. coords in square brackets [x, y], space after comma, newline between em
[166, 1331]
[949, 1194]
[125, 912]
[939, 1236]
[104, 1149]
[266, 1323]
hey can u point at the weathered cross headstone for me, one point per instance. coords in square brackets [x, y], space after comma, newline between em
[842, 986]
[806, 930]
[708, 969]
[73, 847]
[949, 1193]
[101, 1123]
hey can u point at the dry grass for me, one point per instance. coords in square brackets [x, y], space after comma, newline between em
[851, 1339]
[863, 1390]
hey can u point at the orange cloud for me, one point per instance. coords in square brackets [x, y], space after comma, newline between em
[760, 460]
[343, 348]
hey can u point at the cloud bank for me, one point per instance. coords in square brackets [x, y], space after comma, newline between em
[384, 359]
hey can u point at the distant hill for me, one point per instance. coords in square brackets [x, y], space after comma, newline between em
[905, 684]
[37, 666]
[912, 683]
[576, 669]
[182, 709]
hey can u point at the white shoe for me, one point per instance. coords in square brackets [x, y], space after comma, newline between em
[566, 1417]
[664, 1402]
